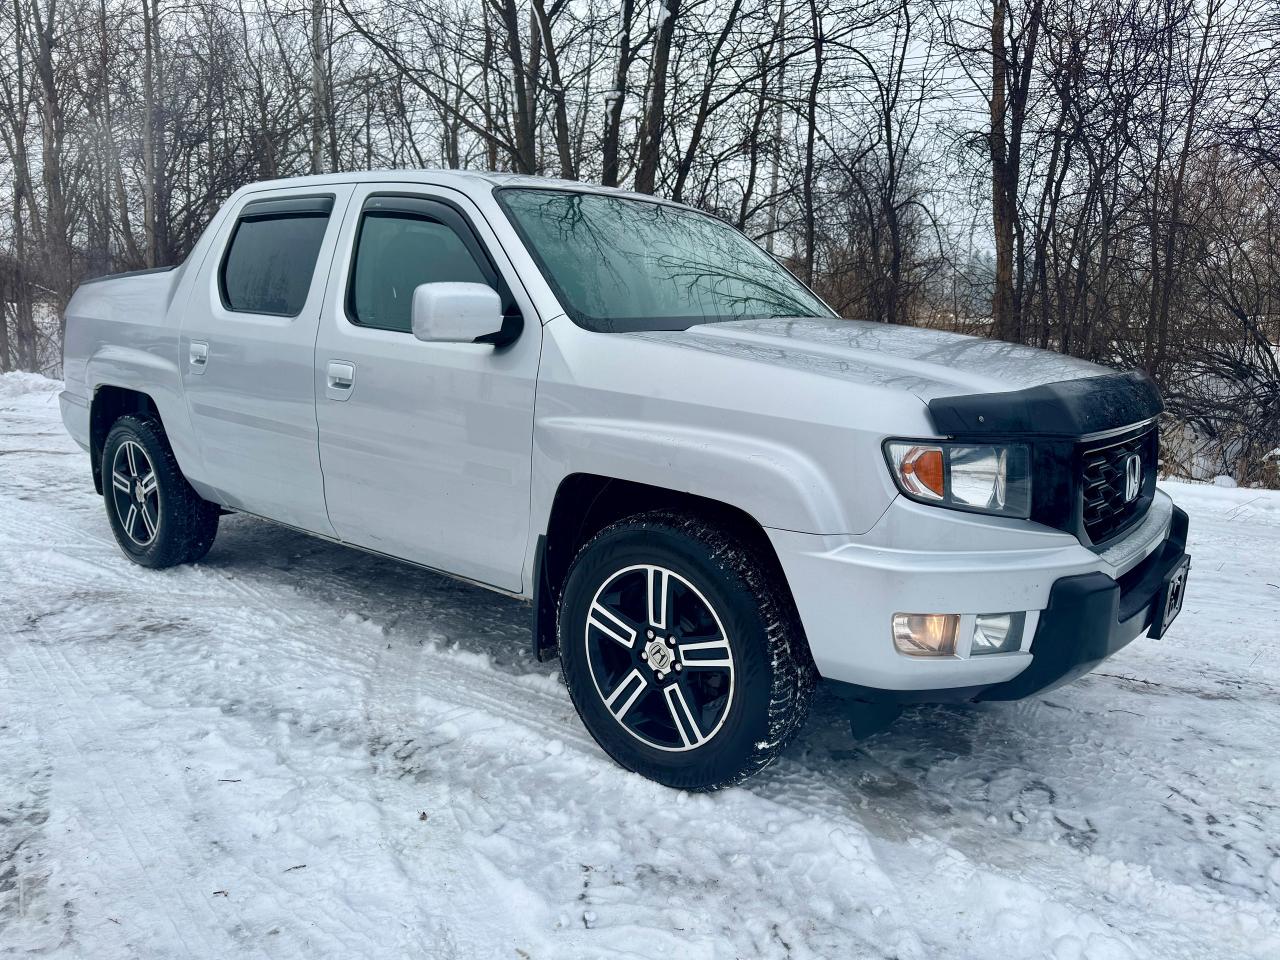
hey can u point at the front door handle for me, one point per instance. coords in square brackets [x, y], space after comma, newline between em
[198, 356]
[340, 380]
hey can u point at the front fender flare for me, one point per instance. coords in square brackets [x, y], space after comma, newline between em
[777, 485]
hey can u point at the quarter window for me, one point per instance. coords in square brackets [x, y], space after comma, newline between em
[396, 251]
[272, 255]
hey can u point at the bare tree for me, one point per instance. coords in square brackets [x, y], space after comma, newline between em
[1097, 177]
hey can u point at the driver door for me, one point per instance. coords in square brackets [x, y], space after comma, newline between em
[425, 447]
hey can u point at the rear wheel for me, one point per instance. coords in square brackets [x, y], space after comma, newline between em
[157, 518]
[682, 652]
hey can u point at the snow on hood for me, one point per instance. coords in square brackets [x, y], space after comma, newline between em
[928, 363]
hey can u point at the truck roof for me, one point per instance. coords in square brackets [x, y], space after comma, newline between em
[465, 180]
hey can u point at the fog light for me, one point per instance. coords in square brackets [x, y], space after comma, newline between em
[926, 634]
[997, 633]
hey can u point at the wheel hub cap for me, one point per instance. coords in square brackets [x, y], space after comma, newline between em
[658, 655]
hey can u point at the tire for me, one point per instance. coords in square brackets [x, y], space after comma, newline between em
[157, 519]
[716, 679]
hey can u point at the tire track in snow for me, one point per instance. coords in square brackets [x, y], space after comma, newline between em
[139, 815]
[121, 811]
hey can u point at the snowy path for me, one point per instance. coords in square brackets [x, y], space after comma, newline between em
[298, 750]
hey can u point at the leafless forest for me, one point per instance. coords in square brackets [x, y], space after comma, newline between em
[1099, 177]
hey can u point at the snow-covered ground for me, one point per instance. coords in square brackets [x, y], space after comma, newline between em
[298, 750]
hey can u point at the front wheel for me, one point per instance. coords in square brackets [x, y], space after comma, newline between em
[682, 651]
[157, 519]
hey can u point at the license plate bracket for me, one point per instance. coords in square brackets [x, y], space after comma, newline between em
[1168, 604]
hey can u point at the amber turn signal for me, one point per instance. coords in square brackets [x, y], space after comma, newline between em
[922, 468]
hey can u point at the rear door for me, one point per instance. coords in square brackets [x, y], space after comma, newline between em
[247, 351]
[425, 447]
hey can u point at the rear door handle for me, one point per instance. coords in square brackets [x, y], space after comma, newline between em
[198, 356]
[340, 380]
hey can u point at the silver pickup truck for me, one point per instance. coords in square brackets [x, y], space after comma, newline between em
[713, 490]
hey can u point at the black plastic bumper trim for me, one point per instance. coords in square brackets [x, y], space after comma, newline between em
[1090, 617]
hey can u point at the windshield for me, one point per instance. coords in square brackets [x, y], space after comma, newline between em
[620, 265]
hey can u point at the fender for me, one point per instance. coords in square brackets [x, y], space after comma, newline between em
[121, 332]
[777, 485]
[795, 453]
[148, 372]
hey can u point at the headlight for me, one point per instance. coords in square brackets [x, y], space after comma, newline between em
[993, 478]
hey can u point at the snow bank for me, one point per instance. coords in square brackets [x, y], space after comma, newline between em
[17, 384]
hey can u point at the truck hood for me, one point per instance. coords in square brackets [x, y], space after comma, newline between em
[927, 363]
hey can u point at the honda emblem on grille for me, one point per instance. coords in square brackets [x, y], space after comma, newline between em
[1132, 477]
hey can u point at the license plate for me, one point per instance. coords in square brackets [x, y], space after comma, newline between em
[1169, 601]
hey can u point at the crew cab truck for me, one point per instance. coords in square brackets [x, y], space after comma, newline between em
[712, 488]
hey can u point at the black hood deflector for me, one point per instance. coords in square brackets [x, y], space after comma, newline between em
[1070, 408]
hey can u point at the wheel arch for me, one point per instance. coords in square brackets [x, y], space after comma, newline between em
[109, 404]
[586, 503]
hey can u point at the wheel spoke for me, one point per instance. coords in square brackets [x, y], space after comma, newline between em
[133, 463]
[148, 483]
[147, 521]
[659, 593]
[707, 653]
[610, 624]
[130, 519]
[632, 685]
[120, 481]
[681, 715]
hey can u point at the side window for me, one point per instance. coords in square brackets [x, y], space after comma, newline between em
[272, 255]
[401, 244]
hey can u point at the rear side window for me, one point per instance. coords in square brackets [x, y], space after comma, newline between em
[272, 255]
[404, 242]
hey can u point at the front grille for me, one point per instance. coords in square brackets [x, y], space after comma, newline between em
[1107, 509]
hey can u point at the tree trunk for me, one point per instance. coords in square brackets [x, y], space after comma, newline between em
[523, 157]
[654, 121]
[1002, 211]
[615, 99]
[1011, 80]
[753, 144]
[53, 134]
[771, 226]
[149, 214]
[564, 149]
[317, 86]
[811, 117]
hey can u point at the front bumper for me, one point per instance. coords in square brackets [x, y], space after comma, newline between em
[919, 559]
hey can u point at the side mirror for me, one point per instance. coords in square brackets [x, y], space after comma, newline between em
[456, 313]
